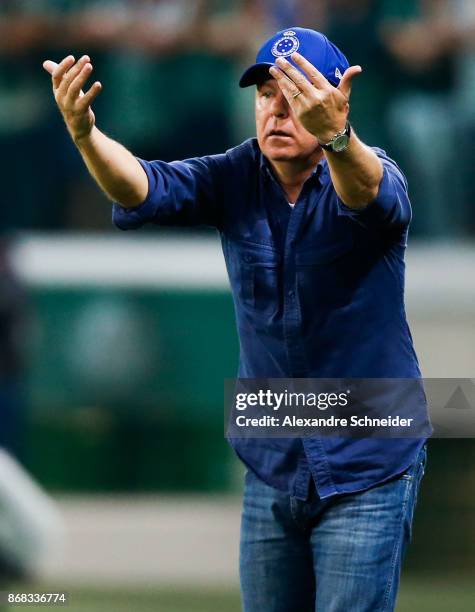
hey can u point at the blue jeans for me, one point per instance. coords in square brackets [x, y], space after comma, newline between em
[337, 555]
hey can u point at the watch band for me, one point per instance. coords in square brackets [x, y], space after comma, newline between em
[329, 146]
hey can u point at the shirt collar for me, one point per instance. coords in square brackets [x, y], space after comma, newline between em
[317, 174]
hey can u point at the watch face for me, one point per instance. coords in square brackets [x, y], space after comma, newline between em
[341, 143]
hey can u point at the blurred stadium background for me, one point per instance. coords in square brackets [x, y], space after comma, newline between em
[114, 347]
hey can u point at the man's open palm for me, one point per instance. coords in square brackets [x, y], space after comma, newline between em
[69, 78]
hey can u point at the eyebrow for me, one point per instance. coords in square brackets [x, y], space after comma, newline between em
[266, 82]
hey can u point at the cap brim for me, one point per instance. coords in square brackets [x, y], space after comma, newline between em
[256, 74]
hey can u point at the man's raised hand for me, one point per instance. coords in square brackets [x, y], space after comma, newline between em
[69, 78]
[321, 108]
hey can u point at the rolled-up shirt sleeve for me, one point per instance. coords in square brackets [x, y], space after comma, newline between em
[181, 193]
[391, 208]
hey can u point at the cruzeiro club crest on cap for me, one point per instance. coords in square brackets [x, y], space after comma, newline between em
[286, 45]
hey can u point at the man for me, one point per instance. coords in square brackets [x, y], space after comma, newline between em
[313, 225]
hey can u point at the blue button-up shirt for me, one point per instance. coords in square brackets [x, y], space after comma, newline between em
[318, 292]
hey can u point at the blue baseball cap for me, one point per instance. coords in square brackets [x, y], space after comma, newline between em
[314, 46]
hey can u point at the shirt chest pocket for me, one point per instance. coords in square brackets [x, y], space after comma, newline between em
[327, 275]
[260, 279]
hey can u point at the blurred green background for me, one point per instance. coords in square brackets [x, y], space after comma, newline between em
[131, 381]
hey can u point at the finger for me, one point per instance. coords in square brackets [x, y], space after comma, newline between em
[78, 83]
[292, 73]
[315, 76]
[61, 69]
[346, 82]
[69, 77]
[288, 87]
[89, 97]
[50, 66]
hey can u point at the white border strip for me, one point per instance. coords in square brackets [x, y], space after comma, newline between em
[160, 262]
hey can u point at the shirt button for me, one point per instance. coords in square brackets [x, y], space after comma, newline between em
[247, 258]
[291, 294]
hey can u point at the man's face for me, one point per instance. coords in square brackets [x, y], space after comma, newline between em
[280, 135]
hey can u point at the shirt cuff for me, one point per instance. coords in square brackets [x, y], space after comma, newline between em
[390, 207]
[133, 218]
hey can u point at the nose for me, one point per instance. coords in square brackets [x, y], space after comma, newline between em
[280, 106]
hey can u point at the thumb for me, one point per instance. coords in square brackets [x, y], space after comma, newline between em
[347, 80]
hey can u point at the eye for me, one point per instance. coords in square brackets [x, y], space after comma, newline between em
[266, 94]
